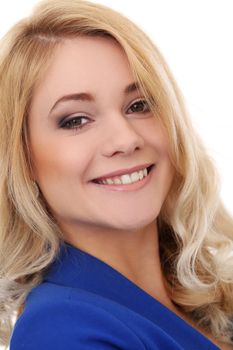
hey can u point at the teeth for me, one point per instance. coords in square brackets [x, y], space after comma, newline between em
[117, 181]
[134, 176]
[141, 174]
[110, 181]
[126, 178]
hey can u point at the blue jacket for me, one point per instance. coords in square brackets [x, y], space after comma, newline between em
[84, 303]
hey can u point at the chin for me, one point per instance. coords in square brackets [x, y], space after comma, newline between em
[134, 224]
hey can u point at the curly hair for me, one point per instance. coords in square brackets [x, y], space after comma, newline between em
[195, 229]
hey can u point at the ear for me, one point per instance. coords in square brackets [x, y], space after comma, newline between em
[35, 189]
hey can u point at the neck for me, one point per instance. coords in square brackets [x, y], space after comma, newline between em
[134, 254]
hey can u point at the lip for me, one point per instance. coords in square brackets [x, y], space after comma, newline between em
[130, 187]
[123, 171]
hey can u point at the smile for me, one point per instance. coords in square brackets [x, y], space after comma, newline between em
[125, 179]
[127, 182]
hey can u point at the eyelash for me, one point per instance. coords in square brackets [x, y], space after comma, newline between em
[67, 124]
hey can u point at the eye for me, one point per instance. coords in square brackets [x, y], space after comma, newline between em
[140, 106]
[73, 123]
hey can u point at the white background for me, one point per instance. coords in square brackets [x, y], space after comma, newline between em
[196, 39]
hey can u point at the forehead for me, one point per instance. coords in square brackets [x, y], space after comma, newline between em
[94, 64]
[87, 59]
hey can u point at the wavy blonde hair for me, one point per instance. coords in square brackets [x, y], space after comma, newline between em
[195, 229]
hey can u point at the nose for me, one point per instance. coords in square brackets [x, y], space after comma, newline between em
[120, 136]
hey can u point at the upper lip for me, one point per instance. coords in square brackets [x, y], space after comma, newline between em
[124, 171]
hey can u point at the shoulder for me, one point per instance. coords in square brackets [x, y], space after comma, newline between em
[55, 318]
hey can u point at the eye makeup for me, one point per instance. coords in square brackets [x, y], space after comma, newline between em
[140, 106]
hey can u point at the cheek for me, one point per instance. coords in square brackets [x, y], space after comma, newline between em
[157, 138]
[155, 135]
[57, 160]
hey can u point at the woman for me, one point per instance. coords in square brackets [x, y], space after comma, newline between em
[113, 233]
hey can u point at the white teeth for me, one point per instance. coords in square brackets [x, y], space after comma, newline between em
[126, 179]
[109, 181]
[141, 174]
[134, 177]
[117, 181]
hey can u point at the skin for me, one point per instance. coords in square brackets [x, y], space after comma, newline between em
[119, 228]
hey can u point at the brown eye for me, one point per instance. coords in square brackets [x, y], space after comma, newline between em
[140, 106]
[74, 123]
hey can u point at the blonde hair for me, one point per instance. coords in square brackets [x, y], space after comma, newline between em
[195, 229]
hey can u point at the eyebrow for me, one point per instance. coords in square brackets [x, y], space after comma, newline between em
[86, 96]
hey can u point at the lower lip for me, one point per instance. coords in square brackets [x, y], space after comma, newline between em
[130, 187]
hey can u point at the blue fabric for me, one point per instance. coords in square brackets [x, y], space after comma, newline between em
[84, 303]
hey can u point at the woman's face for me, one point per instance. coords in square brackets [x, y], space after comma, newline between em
[87, 120]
